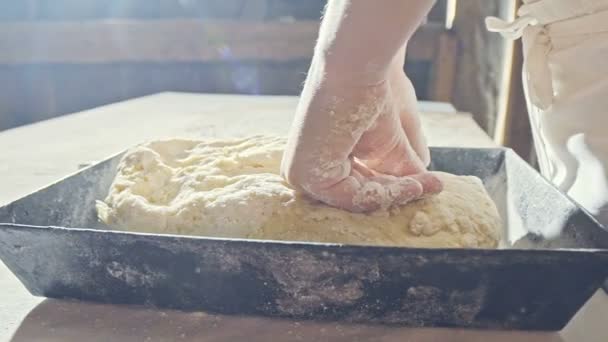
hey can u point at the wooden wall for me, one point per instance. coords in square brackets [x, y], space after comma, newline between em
[482, 61]
[70, 66]
[63, 56]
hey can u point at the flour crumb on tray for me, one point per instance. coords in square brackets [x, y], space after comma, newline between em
[232, 189]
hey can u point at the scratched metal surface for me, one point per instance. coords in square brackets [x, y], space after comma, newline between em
[554, 258]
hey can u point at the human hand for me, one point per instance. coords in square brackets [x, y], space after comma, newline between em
[359, 147]
[356, 141]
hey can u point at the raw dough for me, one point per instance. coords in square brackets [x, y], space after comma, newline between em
[233, 189]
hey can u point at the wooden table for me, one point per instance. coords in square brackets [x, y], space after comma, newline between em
[35, 155]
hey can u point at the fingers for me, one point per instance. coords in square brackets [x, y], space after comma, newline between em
[401, 160]
[386, 149]
[400, 190]
[412, 127]
[408, 114]
[361, 168]
[358, 193]
[395, 144]
[431, 185]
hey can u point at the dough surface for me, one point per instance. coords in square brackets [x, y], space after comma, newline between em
[233, 189]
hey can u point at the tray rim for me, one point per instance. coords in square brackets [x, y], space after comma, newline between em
[118, 154]
[310, 244]
[500, 149]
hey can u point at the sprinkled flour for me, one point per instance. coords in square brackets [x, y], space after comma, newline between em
[233, 189]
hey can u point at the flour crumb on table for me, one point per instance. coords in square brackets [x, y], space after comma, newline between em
[232, 188]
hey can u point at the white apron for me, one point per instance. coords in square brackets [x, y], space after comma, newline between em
[565, 44]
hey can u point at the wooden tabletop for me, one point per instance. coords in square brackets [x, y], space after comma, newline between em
[35, 155]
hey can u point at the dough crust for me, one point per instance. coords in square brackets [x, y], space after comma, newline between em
[233, 189]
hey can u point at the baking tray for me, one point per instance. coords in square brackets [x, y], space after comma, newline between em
[556, 260]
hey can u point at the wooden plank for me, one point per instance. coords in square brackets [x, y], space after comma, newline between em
[56, 320]
[425, 42]
[481, 61]
[64, 10]
[438, 12]
[444, 68]
[11, 97]
[26, 95]
[30, 93]
[154, 41]
[64, 67]
[179, 40]
[515, 130]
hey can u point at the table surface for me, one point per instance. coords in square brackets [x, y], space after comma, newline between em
[35, 155]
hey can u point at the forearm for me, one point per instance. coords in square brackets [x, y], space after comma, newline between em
[358, 39]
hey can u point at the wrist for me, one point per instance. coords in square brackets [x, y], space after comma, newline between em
[333, 70]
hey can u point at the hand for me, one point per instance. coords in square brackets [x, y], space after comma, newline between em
[356, 141]
[359, 147]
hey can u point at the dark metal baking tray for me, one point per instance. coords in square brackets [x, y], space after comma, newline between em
[555, 260]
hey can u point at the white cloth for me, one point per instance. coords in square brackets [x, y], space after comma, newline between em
[565, 45]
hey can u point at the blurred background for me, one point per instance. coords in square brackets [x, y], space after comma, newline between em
[62, 56]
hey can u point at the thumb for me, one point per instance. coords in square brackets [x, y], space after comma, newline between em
[400, 160]
[385, 148]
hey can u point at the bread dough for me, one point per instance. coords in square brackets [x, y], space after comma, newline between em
[233, 189]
